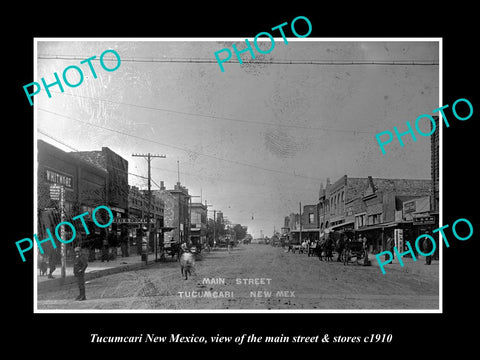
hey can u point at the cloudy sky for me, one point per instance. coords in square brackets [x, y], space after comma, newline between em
[256, 139]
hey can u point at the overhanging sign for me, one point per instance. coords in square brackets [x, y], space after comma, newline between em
[55, 191]
[424, 220]
[134, 221]
[59, 178]
[409, 207]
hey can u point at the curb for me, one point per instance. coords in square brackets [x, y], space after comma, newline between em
[55, 284]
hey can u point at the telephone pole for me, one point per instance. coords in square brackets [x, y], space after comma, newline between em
[300, 221]
[149, 158]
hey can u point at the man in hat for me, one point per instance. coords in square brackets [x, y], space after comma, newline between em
[79, 266]
[427, 248]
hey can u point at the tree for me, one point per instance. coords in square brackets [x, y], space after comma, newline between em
[240, 231]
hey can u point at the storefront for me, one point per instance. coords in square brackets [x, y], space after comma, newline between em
[381, 237]
[306, 235]
[84, 189]
[425, 224]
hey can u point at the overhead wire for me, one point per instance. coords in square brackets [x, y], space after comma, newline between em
[153, 167]
[74, 149]
[256, 61]
[178, 147]
[215, 117]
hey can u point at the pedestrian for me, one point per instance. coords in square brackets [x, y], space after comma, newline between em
[52, 260]
[390, 244]
[79, 266]
[363, 239]
[427, 248]
[124, 242]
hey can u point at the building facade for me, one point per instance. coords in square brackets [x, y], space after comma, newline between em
[137, 221]
[306, 226]
[85, 188]
[198, 221]
[382, 217]
[176, 213]
[116, 194]
[375, 208]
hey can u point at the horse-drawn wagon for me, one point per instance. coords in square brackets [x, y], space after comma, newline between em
[354, 249]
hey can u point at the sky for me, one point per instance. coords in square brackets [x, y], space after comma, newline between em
[256, 139]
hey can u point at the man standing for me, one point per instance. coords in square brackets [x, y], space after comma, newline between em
[79, 266]
[427, 248]
[52, 260]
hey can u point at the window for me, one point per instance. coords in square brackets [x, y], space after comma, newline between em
[311, 218]
[375, 219]
[360, 221]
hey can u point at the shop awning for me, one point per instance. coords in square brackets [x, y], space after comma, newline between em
[341, 225]
[305, 230]
[383, 225]
[167, 228]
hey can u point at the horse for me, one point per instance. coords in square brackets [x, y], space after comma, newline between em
[325, 247]
[340, 247]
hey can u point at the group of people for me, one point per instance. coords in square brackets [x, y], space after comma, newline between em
[426, 247]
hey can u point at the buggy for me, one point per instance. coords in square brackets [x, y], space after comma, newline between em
[353, 249]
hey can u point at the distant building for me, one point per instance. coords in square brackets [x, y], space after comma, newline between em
[198, 221]
[137, 220]
[308, 229]
[176, 212]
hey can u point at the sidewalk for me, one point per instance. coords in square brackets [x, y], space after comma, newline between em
[409, 266]
[95, 269]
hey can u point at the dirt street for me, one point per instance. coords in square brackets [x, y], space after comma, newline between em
[254, 277]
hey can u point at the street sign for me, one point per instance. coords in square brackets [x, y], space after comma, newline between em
[55, 192]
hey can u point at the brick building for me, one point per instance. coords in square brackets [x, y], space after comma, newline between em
[333, 200]
[176, 212]
[137, 219]
[85, 189]
[198, 221]
[116, 193]
[308, 229]
[383, 214]
[371, 207]
[117, 170]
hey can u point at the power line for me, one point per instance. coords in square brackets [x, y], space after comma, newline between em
[257, 61]
[74, 149]
[153, 167]
[57, 140]
[178, 147]
[219, 117]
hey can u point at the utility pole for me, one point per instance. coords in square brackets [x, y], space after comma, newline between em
[179, 207]
[62, 231]
[300, 220]
[206, 213]
[149, 158]
[214, 229]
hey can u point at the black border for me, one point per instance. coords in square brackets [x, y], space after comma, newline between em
[412, 333]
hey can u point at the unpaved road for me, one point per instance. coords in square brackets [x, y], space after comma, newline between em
[256, 277]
